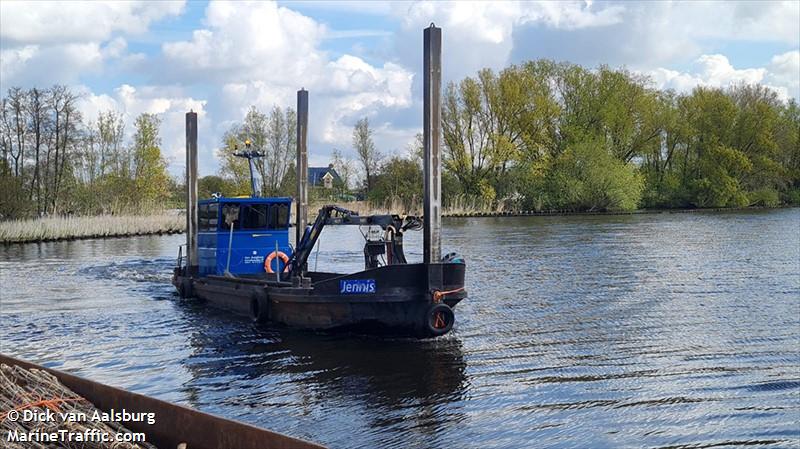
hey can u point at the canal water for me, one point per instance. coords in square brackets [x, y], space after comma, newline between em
[665, 330]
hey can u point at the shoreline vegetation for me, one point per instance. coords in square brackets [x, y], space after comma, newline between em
[100, 226]
[545, 137]
[53, 229]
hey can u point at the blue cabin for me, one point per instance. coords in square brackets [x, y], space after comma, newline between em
[258, 224]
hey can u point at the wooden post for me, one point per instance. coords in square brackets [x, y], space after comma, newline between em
[302, 165]
[191, 193]
[431, 132]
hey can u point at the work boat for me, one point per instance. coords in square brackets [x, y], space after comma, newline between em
[238, 254]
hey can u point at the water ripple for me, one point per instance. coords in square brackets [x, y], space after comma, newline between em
[660, 331]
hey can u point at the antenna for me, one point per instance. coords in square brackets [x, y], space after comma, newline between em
[250, 155]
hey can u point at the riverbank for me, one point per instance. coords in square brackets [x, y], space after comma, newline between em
[461, 211]
[102, 226]
[107, 226]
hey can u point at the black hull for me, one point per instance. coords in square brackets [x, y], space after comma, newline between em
[399, 305]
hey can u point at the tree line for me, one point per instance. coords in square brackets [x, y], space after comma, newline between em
[557, 136]
[55, 162]
[535, 136]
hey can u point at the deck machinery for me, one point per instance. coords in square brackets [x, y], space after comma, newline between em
[238, 255]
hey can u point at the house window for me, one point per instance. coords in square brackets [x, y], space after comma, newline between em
[327, 180]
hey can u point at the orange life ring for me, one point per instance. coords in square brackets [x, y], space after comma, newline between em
[271, 257]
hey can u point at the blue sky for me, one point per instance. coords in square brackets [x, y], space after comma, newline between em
[362, 59]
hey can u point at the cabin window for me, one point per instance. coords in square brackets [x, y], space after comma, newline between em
[254, 216]
[228, 210]
[279, 216]
[202, 223]
[213, 216]
[207, 217]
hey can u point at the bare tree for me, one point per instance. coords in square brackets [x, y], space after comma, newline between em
[289, 153]
[280, 146]
[66, 119]
[37, 111]
[344, 167]
[6, 137]
[16, 102]
[365, 148]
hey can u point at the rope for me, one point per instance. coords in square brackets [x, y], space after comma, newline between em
[439, 295]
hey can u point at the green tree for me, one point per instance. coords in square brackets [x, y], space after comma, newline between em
[150, 169]
[787, 136]
[208, 185]
[588, 177]
[400, 180]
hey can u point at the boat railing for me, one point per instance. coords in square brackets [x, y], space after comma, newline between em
[181, 257]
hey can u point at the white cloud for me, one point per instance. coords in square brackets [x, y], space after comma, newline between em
[245, 40]
[170, 104]
[570, 15]
[783, 75]
[12, 59]
[784, 70]
[774, 21]
[47, 42]
[480, 34]
[42, 65]
[262, 53]
[675, 30]
[50, 22]
[115, 48]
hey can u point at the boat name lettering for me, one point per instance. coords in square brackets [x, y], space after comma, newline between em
[355, 286]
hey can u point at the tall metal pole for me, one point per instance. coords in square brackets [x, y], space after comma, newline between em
[431, 132]
[191, 193]
[302, 165]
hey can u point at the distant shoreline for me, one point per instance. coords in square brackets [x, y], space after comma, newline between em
[57, 229]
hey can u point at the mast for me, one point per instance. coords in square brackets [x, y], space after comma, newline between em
[251, 155]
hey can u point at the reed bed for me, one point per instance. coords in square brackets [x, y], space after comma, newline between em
[457, 207]
[68, 228]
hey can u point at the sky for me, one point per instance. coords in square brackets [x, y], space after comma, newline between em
[364, 59]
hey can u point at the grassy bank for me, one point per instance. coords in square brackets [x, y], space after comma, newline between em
[68, 228]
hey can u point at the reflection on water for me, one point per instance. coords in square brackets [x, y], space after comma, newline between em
[640, 331]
